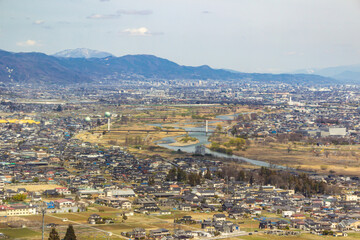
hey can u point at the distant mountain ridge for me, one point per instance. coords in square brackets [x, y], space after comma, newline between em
[82, 53]
[40, 68]
[347, 73]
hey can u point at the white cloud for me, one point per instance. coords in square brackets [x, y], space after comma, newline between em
[103, 16]
[39, 22]
[142, 31]
[119, 13]
[28, 43]
[294, 53]
[290, 53]
[134, 12]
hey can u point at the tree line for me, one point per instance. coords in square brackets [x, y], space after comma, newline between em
[192, 178]
[301, 182]
[70, 234]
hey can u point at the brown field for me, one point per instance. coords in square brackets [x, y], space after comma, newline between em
[32, 187]
[169, 116]
[340, 159]
[149, 222]
[260, 236]
[83, 231]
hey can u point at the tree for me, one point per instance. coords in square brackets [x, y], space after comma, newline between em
[194, 179]
[241, 176]
[151, 181]
[125, 217]
[53, 235]
[70, 233]
[172, 175]
[59, 108]
[19, 197]
[251, 180]
[208, 174]
[35, 179]
[181, 175]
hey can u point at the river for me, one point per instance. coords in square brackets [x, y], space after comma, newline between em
[204, 140]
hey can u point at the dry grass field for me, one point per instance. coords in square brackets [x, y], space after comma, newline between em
[168, 116]
[32, 187]
[340, 159]
[261, 236]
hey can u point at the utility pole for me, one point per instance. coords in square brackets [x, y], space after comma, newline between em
[43, 211]
[206, 126]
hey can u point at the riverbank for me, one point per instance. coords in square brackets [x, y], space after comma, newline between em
[183, 144]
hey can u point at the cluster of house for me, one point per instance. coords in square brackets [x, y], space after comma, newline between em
[238, 199]
[43, 153]
[209, 227]
[316, 121]
[162, 233]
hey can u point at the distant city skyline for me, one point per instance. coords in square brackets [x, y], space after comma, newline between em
[244, 35]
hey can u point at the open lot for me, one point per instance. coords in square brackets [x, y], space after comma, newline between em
[32, 187]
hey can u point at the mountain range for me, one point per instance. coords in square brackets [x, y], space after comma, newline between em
[347, 74]
[82, 53]
[86, 66]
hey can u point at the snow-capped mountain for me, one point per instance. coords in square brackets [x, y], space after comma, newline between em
[82, 53]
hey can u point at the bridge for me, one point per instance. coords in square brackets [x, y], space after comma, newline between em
[154, 130]
[193, 119]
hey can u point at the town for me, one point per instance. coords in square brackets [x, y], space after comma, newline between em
[276, 161]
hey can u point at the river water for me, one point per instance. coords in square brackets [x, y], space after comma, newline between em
[203, 140]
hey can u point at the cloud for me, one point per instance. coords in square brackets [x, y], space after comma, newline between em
[28, 43]
[294, 53]
[39, 22]
[134, 12]
[102, 16]
[119, 13]
[142, 31]
[63, 22]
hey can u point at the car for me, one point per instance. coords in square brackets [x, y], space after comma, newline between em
[65, 220]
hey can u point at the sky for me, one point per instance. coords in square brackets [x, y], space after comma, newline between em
[244, 35]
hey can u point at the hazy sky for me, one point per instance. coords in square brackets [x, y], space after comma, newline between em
[244, 35]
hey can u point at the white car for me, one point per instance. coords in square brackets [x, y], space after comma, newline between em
[65, 220]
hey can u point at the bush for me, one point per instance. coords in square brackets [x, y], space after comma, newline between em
[216, 147]
[324, 167]
[19, 197]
